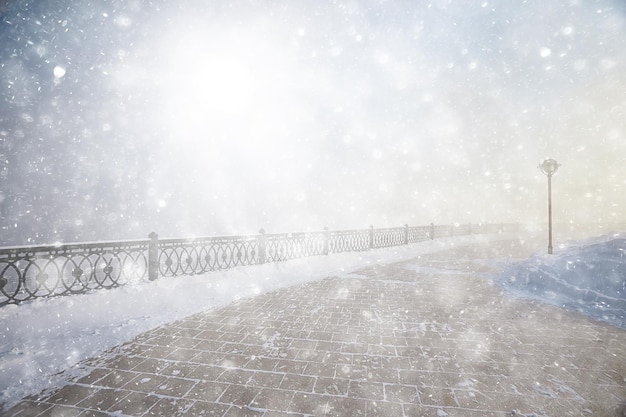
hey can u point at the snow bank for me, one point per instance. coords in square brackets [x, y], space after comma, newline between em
[42, 338]
[588, 276]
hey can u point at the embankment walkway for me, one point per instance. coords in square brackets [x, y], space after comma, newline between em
[431, 336]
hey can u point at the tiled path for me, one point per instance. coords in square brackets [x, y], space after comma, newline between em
[427, 337]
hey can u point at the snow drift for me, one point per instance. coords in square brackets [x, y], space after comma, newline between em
[588, 276]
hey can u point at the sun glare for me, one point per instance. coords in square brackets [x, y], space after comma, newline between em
[220, 82]
[205, 82]
[231, 92]
[226, 98]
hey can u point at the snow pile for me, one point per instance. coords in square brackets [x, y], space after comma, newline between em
[42, 338]
[587, 276]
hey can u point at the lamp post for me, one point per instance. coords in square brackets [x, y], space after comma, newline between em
[549, 168]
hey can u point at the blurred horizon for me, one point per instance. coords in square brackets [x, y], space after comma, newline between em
[563, 233]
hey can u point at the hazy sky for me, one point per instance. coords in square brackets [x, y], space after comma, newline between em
[201, 117]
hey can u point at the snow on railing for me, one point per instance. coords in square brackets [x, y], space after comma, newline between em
[29, 272]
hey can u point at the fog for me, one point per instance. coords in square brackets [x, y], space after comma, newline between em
[119, 118]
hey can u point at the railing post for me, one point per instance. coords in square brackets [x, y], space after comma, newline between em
[326, 241]
[406, 234]
[432, 231]
[262, 246]
[371, 237]
[153, 257]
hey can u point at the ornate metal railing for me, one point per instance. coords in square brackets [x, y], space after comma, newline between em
[32, 272]
[44, 271]
[200, 255]
[284, 247]
[420, 234]
[349, 241]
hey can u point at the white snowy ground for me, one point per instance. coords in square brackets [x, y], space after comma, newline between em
[42, 338]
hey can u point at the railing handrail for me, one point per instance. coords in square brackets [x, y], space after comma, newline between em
[209, 238]
[114, 243]
[55, 247]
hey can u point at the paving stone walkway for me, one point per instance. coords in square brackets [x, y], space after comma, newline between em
[431, 336]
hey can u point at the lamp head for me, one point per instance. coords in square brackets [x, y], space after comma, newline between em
[549, 167]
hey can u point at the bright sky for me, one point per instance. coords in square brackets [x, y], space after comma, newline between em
[212, 117]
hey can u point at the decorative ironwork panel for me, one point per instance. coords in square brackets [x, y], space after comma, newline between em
[384, 238]
[349, 241]
[200, 255]
[283, 247]
[419, 234]
[314, 244]
[44, 271]
[441, 231]
[276, 248]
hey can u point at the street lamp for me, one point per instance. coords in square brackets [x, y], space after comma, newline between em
[549, 167]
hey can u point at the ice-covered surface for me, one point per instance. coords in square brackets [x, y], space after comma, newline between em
[588, 276]
[42, 338]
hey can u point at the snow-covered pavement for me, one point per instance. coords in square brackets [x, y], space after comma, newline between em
[428, 335]
[41, 339]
